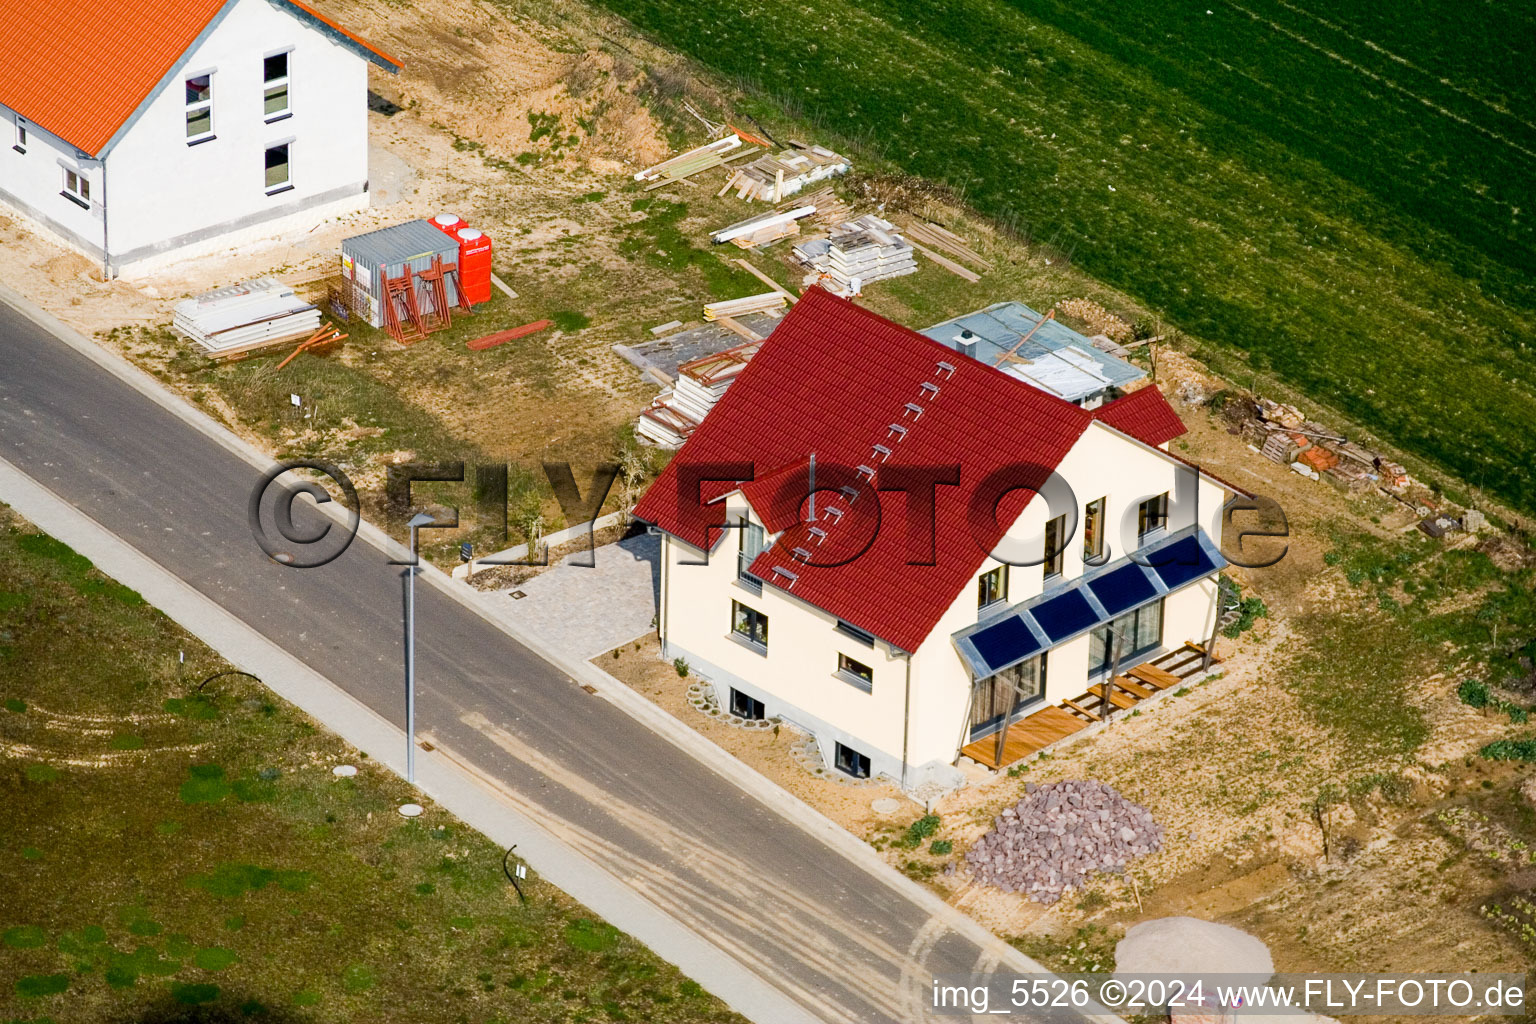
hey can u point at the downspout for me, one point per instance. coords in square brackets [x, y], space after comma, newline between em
[106, 260]
[906, 719]
[666, 580]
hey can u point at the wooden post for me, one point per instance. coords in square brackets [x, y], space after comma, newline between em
[1114, 670]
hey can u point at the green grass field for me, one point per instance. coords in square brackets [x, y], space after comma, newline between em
[177, 854]
[1339, 192]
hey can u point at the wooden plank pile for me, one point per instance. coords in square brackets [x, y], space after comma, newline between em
[773, 177]
[830, 209]
[685, 165]
[741, 307]
[927, 238]
[323, 338]
[675, 414]
[245, 317]
[764, 229]
[856, 253]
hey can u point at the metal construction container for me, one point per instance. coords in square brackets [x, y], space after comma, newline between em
[366, 260]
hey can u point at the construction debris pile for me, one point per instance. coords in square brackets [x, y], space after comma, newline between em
[1099, 320]
[245, 317]
[1283, 434]
[677, 413]
[856, 253]
[773, 177]
[1059, 835]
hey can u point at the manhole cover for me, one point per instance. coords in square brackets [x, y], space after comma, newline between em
[518, 595]
[411, 810]
[346, 771]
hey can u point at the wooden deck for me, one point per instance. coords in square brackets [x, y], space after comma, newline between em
[1025, 736]
[1046, 726]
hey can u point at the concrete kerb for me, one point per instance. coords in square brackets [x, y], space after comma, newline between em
[607, 686]
[455, 790]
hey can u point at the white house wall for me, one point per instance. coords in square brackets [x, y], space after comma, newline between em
[163, 194]
[32, 184]
[797, 678]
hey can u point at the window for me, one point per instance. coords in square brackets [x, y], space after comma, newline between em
[1137, 632]
[992, 587]
[749, 625]
[848, 629]
[1151, 517]
[21, 134]
[277, 168]
[751, 547]
[855, 672]
[77, 187]
[199, 108]
[274, 77]
[1055, 547]
[746, 706]
[1093, 531]
[851, 762]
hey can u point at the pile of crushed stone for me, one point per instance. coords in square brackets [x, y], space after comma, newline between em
[1058, 835]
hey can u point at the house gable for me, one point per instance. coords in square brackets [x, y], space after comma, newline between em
[117, 57]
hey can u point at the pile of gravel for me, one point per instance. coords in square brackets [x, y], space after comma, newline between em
[1058, 835]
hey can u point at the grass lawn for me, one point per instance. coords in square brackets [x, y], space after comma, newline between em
[177, 852]
[1336, 194]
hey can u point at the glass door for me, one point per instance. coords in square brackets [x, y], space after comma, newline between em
[1010, 690]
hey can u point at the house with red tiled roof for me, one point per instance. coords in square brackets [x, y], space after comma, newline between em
[149, 132]
[911, 554]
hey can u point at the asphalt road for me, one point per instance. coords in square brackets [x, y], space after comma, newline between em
[812, 923]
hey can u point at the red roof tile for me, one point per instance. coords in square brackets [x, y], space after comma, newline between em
[830, 381]
[1144, 414]
[80, 69]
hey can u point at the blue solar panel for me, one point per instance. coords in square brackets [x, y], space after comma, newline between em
[1123, 589]
[1064, 616]
[1180, 563]
[1005, 643]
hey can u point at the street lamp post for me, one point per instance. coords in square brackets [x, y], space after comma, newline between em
[417, 521]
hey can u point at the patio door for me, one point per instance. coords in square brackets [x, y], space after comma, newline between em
[1141, 632]
[1005, 694]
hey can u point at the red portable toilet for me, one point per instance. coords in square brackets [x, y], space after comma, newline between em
[449, 223]
[475, 264]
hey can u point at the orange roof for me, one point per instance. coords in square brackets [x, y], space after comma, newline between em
[81, 69]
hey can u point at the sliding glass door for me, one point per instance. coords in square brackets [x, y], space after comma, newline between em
[1141, 632]
[1009, 690]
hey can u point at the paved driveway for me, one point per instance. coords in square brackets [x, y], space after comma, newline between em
[586, 609]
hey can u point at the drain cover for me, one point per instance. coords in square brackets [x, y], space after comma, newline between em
[411, 810]
[346, 771]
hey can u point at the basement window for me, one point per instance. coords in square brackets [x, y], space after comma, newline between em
[855, 673]
[199, 101]
[278, 177]
[274, 92]
[77, 188]
[746, 706]
[851, 762]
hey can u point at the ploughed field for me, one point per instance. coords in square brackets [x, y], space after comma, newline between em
[1340, 192]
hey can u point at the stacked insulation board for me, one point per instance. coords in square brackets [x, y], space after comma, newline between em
[774, 176]
[858, 252]
[244, 317]
[700, 384]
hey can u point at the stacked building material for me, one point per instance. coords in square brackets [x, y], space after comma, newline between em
[760, 230]
[245, 317]
[830, 209]
[741, 307]
[858, 252]
[686, 165]
[700, 384]
[774, 177]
